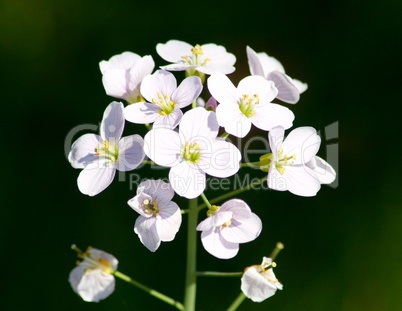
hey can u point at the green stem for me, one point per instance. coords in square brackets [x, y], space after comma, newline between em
[206, 202]
[194, 104]
[234, 192]
[148, 126]
[191, 277]
[149, 162]
[219, 274]
[150, 291]
[225, 135]
[278, 247]
[250, 164]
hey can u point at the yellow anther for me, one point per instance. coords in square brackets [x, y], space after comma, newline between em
[146, 202]
[186, 58]
[106, 144]
[227, 224]
[197, 50]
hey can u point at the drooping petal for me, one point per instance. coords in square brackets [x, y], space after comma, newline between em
[302, 142]
[146, 230]
[168, 221]
[270, 63]
[200, 124]
[93, 285]
[169, 121]
[216, 220]
[112, 125]
[96, 177]
[163, 146]
[287, 91]
[173, 50]
[100, 255]
[141, 113]
[301, 86]
[187, 180]
[233, 120]
[217, 246]
[131, 152]
[160, 83]
[268, 116]
[302, 181]
[325, 172]
[243, 230]
[254, 62]
[187, 92]
[266, 90]
[223, 161]
[83, 150]
[222, 89]
[255, 286]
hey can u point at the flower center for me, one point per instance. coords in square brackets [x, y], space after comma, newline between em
[107, 150]
[164, 102]
[284, 160]
[247, 104]
[150, 207]
[95, 263]
[197, 57]
[191, 152]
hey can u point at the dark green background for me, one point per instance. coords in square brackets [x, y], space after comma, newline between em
[343, 247]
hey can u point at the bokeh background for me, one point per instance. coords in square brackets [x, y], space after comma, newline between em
[342, 247]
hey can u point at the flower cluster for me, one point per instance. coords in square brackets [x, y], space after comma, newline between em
[190, 137]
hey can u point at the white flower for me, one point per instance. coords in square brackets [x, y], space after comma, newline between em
[259, 282]
[261, 64]
[100, 156]
[324, 171]
[206, 58]
[249, 103]
[164, 99]
[288, 169]
[227, 226]
[92, 279]
[160, 218]
[123, 73]
[192, 152]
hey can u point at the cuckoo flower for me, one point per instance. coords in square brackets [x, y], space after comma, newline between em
[259, 282]
[270, 68]
[324, 171]
[92, 278]
[123, 73]
[288, 169]
[160, 218]
[206, 58]
[192, 152]
[164, 99]
[249, 103]
[101, 155]
[227, 226]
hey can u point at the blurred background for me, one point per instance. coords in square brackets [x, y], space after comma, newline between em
[342, 248]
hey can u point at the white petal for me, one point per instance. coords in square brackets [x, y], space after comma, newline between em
[112, 125]
[116, 83]
[173, 50]
[99, 254]
[94, 285]
[287, 91]
[161, 82]
[124, 61]
[136, 203]
[163, 146]
[276, 180]
[238, 207]
[177, 67]
[187, 91]
[159, 190]
[260, 86]
[146, 230]
[276, 136]
[216, 220]
[95, 177]
[169, 221]
[200, 124]
[302, 142]
[141, 69]
[83, 150]
[325, 173]
[302, 181]
[301, 86]
[255, 286]
[131, 152]
[270, 63]
[219, 59]
[212, 67]
[222, 89]
[223, 161]
[268, 116]
[243, 230]
[217, 246]
[187, 180]
[254, 63]
[233, 120]
[170, 121]
[141, 113]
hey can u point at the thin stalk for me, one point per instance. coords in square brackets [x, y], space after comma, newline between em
[219, 274]
[206, 202]
[234, 192]
[250, 164]
[150, 291]
[191, 277]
